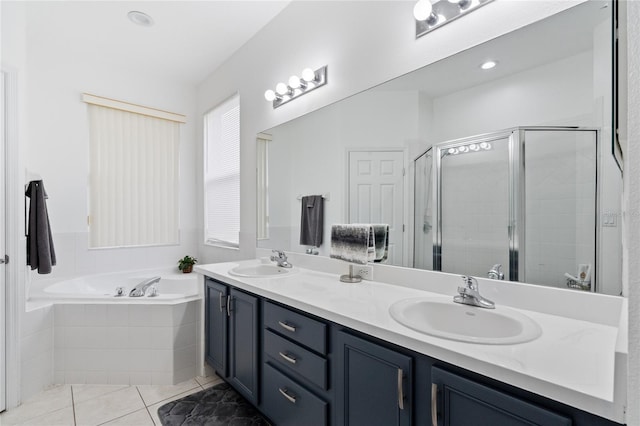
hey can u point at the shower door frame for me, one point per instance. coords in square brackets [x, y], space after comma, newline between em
[516, 190]
[440, 151]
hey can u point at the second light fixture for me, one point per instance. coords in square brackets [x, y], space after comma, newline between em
[297, 86]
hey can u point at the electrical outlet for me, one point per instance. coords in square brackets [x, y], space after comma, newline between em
[365, 271]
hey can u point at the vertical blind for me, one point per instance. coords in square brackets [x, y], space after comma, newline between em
[222, 174]
[262, 185]
[133, 197]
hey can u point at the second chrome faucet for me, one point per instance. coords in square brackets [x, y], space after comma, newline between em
[469, 294]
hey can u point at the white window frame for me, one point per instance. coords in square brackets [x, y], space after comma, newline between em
[222, 170]
[262, 185]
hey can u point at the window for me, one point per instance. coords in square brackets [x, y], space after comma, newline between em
[222, 174]
[133, 189]
[262, 185]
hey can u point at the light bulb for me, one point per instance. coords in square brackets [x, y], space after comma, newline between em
[488, 65]
[452, 151]
[474, 147]
[422, 10]
[308, 74]
[294, 82]
[463, 149]
[282, 89]
[270, 95]
[485, 145]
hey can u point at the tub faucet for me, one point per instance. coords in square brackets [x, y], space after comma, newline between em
[495, 273]
[140, 289]
[469, 294]
[281, 259]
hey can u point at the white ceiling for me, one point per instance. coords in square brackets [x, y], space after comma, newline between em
[546, 41]
[189, 40]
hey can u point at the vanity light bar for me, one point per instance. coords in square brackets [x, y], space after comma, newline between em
[472, 147]
[297, 86]
[431, 16]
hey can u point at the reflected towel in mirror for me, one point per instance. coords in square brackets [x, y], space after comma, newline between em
[381, 237]
[353, 242]
[311, 222]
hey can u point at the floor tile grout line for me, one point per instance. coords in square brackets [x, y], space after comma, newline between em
[168, 398]
[146, 407]
[131, 412]
[73, 405]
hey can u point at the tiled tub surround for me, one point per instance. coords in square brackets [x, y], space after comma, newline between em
[127, 344]
[579, 360]
[101, 339]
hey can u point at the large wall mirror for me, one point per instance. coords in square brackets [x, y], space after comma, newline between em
[470, 167]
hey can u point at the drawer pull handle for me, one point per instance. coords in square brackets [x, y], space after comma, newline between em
[288, 358]
[400, 390]
[228, 306]
[285, 393]
[434, 404]
[287, 326]
[221, 302]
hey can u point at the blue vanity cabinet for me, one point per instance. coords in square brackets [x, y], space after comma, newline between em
[459, 401]
[295, 385]
[216, 347]
[374, 384]
[244, 343]
[232, 336]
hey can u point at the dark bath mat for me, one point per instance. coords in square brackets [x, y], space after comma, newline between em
[219, 405]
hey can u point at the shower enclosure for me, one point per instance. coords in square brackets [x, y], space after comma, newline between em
[524, 198]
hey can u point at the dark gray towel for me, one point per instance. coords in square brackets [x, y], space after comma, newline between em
[312, 218]
[40, 252]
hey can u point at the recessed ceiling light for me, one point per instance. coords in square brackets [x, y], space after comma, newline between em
[140, 18]
[488, 65]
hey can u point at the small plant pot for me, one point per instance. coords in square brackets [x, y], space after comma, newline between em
[187, 269]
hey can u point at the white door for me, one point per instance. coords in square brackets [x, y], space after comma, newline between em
[376, 194]
[3, 243]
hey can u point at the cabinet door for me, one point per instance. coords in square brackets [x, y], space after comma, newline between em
[458, 401]
[244, 344]
[373, 384]
[216, 326]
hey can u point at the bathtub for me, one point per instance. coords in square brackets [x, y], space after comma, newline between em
[102, 339]
[173, 287]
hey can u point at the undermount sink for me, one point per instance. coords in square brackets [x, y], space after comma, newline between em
[454, 321]
[259, 271]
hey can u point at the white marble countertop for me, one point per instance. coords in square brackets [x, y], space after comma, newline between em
[578, 362]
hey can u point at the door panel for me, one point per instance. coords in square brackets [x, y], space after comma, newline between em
[3, 243]
[216, 326]
[373, 384]
[244, 344]
[376, 194]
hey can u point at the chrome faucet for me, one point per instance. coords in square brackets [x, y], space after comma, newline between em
[495, 273]
[470, 294]
[140, 289]
[281, 259]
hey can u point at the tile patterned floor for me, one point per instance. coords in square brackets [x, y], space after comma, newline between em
[92, 405]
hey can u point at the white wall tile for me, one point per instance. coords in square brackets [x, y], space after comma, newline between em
[118, 315]
[184, 335]
[96, 377]
[96, 316]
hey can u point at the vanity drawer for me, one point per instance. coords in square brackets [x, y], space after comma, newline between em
[289, 404]
[295, 326]
[294, 357]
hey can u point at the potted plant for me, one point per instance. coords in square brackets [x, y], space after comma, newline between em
[186, 264]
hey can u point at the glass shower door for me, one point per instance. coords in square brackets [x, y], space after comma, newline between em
[423, 212]
[560, 206]
[474, 209]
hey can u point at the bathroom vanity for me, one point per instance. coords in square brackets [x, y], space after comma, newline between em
[306, 349]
